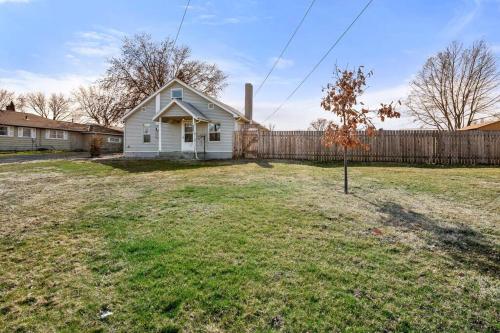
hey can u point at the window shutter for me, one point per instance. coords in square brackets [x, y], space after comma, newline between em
[65, 135]
[10, 131]
[33, 133]
[19, 131]
[47, 132]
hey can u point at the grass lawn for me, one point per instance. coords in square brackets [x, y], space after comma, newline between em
[247, 247]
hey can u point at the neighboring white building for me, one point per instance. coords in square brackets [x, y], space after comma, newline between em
[179, 121]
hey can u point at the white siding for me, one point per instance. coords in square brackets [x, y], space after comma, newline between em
[135, 126]
[171, 132]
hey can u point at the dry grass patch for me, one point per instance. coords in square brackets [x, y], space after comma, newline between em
[247, 247]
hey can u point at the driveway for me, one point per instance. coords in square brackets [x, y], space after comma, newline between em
[43, 157]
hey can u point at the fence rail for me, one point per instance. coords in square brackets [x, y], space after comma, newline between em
[405, 146]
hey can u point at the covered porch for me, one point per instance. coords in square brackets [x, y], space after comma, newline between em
[182, 130]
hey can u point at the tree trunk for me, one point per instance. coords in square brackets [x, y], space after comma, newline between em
[346, 191]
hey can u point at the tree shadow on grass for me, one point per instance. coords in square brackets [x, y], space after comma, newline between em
[152, 165]
[464, 245]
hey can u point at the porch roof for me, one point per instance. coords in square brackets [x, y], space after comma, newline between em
[186, 107]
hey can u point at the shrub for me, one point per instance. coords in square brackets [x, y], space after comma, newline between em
[95, 146]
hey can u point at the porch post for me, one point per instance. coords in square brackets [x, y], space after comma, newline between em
[159, 137]
[194, 139]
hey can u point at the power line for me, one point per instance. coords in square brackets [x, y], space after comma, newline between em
[321, 60]
[182, 21]
[285, 48]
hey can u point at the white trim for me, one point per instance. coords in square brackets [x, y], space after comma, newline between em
[158, 101]
[208, 131]
[47, 134]
[174, 101]
[114, 137]
[199, 93]
[187, 146]
[20, 132]
[172, 92]
[159, 134]
[150, 135]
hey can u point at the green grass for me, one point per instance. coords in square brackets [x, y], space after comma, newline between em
[246, 247]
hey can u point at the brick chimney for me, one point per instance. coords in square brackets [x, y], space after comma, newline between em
[248, 101]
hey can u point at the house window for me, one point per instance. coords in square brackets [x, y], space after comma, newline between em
[210, 106]
[176, 93]
[213, 132]
[147, 133]
[4, 131]
[114, 139]
[188, 132]
[56, 134]
[24, 132]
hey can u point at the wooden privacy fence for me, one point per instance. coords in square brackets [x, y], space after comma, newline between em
[405, 146]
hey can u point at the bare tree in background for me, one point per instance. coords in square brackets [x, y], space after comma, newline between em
[37, 102]
[144, 66]
[100, 105]
[59, 106]
[319, 124]
[5, 98]
[54, 106]
[455, 87]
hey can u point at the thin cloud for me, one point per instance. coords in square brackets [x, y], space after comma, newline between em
[22, 81]
[14, 1]
[282, 63]
[103, 43]
[464, 16]
[212, 19]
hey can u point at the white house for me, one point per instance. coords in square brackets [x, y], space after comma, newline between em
[179, 121]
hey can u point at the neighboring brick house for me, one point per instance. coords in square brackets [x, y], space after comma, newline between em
[26, 131]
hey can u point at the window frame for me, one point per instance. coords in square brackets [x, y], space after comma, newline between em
[189, 124]
[7, 130]
[114, 137]
[176, 89]
[210, 131]
[211, 106]
[30, 136]
[148, 126]
[55, 131]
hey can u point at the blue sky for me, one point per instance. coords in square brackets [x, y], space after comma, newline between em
[58, 45]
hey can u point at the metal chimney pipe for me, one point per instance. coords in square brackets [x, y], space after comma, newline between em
[248, 101]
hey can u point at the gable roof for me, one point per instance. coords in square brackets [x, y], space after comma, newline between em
[187, 107]
[223, 106]
[23, 119]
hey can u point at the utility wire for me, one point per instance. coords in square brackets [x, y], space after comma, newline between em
[182, 21]
[321, 60]
[285, 48]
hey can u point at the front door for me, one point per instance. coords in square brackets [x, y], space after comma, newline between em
[187, 136]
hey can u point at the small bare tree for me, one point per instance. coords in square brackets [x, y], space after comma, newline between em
[455, 87]
[59, 106]
[319, 124]
[144, 66]
[100, 105]
[341, 98]
[37, 102]
[5, 98]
